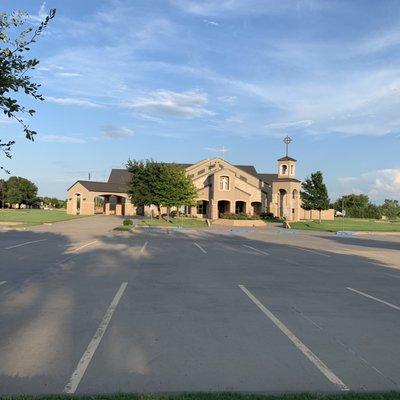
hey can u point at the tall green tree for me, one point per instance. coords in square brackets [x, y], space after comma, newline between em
[358, 206]
[391, 209]
[20, 191]
[16, 37]
[161, 184]
[3, 189]
[314, 194]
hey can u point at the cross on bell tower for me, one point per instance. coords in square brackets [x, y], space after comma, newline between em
[287, 140]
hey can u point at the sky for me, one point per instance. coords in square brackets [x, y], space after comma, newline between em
[177, 80]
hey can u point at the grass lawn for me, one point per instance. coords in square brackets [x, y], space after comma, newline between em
[175, 222]
[348, 224]
[21, 218]
[219, 396]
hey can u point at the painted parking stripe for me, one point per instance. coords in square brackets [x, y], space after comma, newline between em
[374, 298]
[197, 245]
[257, 250]
[80, 370]
[143, 248]
[297, 342]
[84, 245]
[3, 283]
[24, 244]
[313, 251]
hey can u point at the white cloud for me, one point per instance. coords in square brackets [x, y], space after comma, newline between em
[212, 23]
[69, 101]
[189, 104]
[378, 184]
[292, 124]
[41, 15]
[60, 139]
[225, 8]
[68, 74]
[116, 132]
[228, 99]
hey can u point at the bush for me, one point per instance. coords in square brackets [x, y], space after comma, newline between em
[241, 216]
[270, 217]
[127, 222]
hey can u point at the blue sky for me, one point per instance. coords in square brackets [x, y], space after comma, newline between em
[176, 80]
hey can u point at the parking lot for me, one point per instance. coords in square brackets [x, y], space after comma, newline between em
[84, 309]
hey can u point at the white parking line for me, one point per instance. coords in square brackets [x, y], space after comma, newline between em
[80, 370]
[393, 276]
[297, 342]
[313, 251]
[257, 250]
[84, 245]
[374, 298]
[24, 244]
[197, 245]
[3, 282]
[143, 248]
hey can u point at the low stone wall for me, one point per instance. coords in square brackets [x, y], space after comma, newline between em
[327, 215]
[239, 222]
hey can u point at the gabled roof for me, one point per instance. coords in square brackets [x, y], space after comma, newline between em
[249, 169]
[286, 158]
[119, 176]
[268, 178]
[104, 187]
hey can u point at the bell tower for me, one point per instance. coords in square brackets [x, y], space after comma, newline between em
[287, 165]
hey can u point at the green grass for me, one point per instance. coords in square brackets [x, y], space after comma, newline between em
[220, 396]
[33, 217]
[348, 224]
[175, 222]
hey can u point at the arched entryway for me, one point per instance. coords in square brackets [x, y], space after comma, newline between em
[240, 207]
[282, 204]
[78, 203]
[257, 207]
[224, 206]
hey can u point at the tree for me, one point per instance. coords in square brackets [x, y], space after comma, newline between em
[161, 184]
[314, 195]
[3, 186]
[358, 206]
[391, 209]
[20, 191]
[14, 67]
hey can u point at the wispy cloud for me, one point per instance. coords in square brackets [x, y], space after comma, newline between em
[60, 139]
[68, 101]
[212, 23]
[291, 124]
[41, 14]
[116, 132]
[189, 104]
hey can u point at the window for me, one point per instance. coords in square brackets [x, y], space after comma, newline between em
[201, 172]
[284, 169]
[224, 183]
[291, 169]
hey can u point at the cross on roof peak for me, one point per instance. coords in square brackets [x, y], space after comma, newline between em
[287, 140]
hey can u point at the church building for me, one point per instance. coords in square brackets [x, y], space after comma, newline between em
[222, 187]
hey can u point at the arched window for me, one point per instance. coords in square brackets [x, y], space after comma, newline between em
[284, 169]
[224, 183]
[292, 169]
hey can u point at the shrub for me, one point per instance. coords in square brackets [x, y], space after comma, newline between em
[241, 216]
[127, 222]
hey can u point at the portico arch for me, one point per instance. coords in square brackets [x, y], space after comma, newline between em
[282, 203]
[224, 206]
[240, 207]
